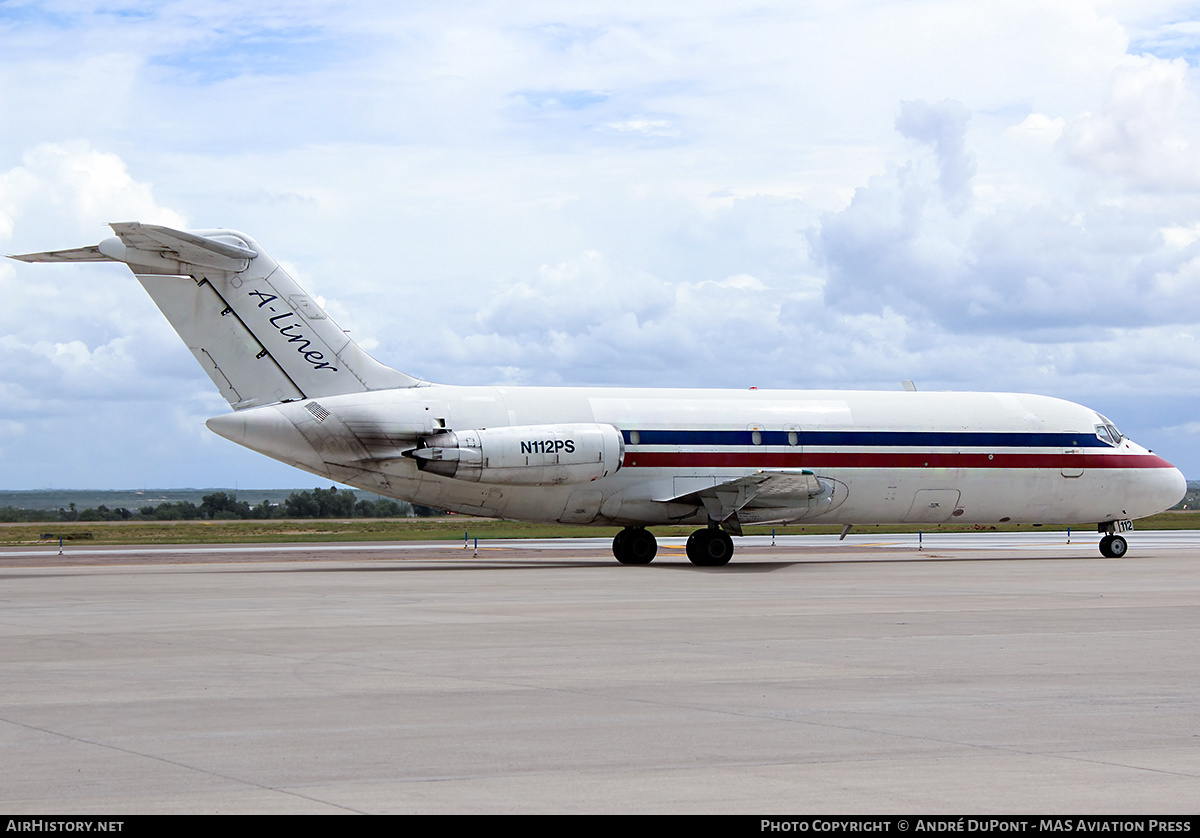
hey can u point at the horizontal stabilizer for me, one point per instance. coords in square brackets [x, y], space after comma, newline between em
[151, 245]
[78, 254]
[185, 245]
[150, 249]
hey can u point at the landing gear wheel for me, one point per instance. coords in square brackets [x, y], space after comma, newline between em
[635, 545]
[709, 548]
[618, 547]
[1113, 546]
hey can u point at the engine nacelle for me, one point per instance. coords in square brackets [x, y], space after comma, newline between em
[524, 455]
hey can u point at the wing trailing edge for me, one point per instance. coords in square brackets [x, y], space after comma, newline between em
[723, 500]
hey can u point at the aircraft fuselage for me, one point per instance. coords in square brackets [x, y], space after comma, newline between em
[879, 457]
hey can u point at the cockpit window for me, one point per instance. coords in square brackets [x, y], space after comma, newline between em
[1109, 433]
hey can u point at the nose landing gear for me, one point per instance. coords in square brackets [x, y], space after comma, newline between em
[1112, 545]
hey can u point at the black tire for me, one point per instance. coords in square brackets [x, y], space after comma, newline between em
[640, 546]
[619, 549]
[635, 545]
[709, 548]
[1113, 546]
[720, 549]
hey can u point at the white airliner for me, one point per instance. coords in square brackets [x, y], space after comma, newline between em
[304, 393]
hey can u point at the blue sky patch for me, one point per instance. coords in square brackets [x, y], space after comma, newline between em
[279, 52]
[574, 100]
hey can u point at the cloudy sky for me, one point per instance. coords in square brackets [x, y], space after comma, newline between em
[973, 195]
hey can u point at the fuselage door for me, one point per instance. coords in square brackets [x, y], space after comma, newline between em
[1072, 462]
[583, 505]
[931, 506]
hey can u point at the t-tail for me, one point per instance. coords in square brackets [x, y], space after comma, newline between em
[258, 335]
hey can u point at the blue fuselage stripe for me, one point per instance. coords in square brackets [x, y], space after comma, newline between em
[890, 439]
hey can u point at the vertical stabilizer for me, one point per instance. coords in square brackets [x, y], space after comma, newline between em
[257, 334]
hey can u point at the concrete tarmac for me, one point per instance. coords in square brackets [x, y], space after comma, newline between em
[979, 675]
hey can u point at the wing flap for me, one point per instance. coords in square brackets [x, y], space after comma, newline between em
[761, 485]
[769, 489]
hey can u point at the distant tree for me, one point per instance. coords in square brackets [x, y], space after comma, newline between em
[335, 504]
[103, 513]
[301, 505]
[183, 510]
[16, 515]
[220, 505]
[382, 508]
[265, 510]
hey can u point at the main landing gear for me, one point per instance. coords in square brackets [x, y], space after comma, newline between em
[709, 547]
[635, 545]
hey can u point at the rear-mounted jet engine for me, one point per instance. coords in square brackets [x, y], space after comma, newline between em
[524, 455]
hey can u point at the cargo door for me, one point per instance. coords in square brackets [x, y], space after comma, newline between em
[932, 506]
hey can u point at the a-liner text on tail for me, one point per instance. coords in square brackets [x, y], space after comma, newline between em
[304, 393]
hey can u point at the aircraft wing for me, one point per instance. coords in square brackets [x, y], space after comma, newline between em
[763, 488]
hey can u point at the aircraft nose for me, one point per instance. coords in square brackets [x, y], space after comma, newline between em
[1173, 487]
[1158, 489]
